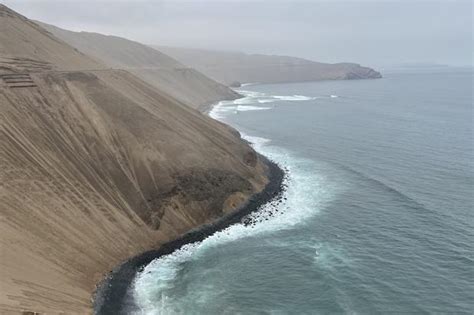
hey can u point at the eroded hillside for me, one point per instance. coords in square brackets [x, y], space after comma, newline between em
[165, 73]
[97, 166]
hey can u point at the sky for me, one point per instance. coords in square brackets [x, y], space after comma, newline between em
[369, 32]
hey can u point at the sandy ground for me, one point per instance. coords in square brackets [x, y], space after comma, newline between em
[97, 166]
[163, 72]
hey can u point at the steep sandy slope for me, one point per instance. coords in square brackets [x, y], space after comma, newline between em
[97, 166]
[158, 69]
[230, 67]
[21, 50]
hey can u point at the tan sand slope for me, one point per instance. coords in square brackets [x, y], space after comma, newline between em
[230, 67]
[156, 68]
[97, 166]
[20, 48]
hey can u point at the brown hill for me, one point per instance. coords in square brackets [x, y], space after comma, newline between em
[21, 50]
[231, 67]
[156, 68]
[97, 166]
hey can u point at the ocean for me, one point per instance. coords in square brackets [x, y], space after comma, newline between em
[378, 213]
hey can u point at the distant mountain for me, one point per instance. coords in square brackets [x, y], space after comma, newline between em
[231, 67]
[163, 72]
[97, 166]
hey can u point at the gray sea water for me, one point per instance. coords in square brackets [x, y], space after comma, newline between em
[379, 210]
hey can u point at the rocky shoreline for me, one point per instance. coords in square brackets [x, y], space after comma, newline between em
[112, 294]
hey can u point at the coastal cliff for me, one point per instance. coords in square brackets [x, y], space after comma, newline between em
[231, 67]
[163, 72]
[97, 166]
[200, 77]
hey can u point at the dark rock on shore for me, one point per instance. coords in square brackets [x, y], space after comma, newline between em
[113, 294]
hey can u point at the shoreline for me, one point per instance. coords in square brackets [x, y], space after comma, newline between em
[206, 108]
[112, 293]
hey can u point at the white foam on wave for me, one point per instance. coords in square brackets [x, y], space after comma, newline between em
[306, 194]
[244, 101]
[308, 191]
[223, 108]
[214, 112]
[242, 108]
[294, 97]
[333, 96]
[251, 101]
[256, 142]
[268, 100]
[251, 94]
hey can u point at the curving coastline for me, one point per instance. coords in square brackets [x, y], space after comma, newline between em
[112, 294]
[100, 152]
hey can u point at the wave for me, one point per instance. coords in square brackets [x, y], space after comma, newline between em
[242, 108]
[263, 97]
[250, 102]
[294, 97]
[307, 193]
[256, 142]
[220, 110]
[251, 94]
[401, 196]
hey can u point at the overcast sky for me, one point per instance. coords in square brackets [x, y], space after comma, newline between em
[371, 32]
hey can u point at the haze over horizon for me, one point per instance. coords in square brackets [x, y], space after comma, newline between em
[138, 175]
[337, 31]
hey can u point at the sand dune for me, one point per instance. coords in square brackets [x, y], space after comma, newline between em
[97, 166]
